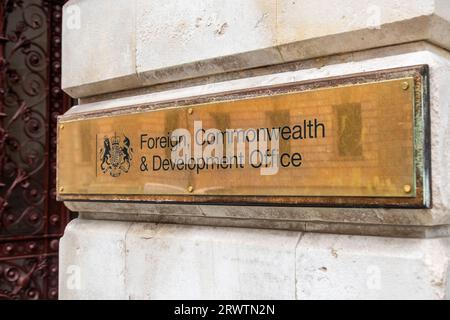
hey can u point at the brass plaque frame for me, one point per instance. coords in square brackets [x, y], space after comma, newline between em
[421, 198]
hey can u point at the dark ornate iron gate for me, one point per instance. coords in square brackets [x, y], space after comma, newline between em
[31, 221]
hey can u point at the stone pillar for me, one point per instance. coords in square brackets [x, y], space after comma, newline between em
[118, 53]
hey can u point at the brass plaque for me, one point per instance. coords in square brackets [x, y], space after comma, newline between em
[348, 141]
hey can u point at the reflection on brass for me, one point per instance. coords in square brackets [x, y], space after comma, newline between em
[343, 143]
[349, 129]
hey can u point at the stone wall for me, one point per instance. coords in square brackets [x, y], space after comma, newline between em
[119, 53]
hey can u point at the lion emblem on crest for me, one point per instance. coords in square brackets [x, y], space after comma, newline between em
[116, 155]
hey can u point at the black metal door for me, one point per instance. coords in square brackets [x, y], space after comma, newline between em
[31, 221]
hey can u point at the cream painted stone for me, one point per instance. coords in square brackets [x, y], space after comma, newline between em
[393, 222]
[354, 267]
[302, 19]
[98, 45]
[91, 260]
[443, 9]
[175, 32]
[190, 262]
[143, 43]
[158, 261]
[128, 52]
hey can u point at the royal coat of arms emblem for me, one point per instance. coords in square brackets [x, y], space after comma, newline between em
[116, 155]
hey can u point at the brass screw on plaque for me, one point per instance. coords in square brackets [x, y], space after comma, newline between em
[190, 189]
[190, 111]
[405, 85]
[61, 189]
[61, 126]
[407, 188]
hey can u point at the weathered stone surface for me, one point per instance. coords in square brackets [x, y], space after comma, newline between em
[98, 45]
[159, 261]
[189, 262]
[91, 259]
[302, 19]
[178, 32]
[352, 267]
[141, 43]
[159, 51]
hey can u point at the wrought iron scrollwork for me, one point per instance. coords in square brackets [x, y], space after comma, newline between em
[31, 221]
